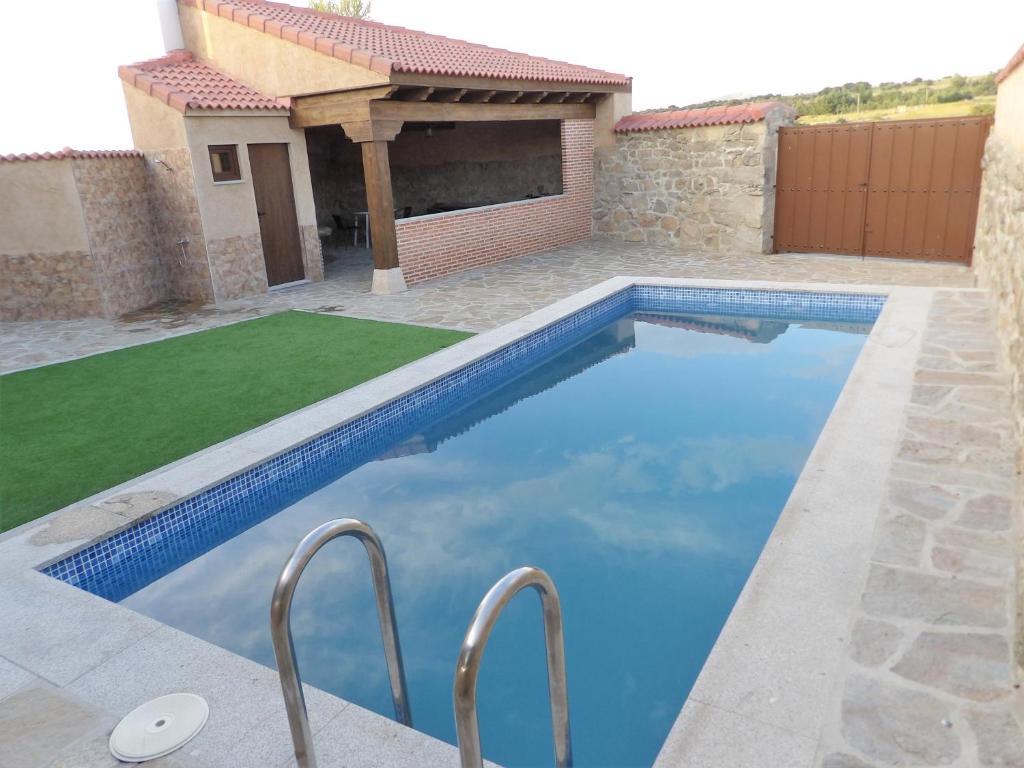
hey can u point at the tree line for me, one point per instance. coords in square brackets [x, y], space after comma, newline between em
[860, 96]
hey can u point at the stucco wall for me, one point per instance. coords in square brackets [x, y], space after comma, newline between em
[999, 241]
[709, 188]
[154, 125]
[228, 209]
[431, 246]
[269, 64]
[40, 207]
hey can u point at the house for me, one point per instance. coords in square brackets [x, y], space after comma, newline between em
[278, 125]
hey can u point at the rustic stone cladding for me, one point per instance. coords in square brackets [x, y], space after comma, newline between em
[312, 254]
[237, 267]
[999, 258]
[116, 207]
[704, 188]
[176, 216]
[432, 246]
[49, 286]
[929, 676]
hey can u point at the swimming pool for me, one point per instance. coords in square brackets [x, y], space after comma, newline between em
[640, 451]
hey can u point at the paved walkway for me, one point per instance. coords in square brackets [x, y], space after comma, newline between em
[476, 300]
[930, 677]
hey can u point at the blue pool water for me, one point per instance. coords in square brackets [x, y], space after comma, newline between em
[643, 467]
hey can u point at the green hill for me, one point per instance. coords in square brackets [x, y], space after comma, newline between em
[946, 97]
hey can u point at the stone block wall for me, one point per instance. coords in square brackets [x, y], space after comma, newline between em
[116, 209]
[312, 252]
[175, 213]
[432, 246]
[49, 286]
[706, 188]
[236, 266]
[998, 258]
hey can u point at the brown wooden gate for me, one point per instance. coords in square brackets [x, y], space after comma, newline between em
[905, 189]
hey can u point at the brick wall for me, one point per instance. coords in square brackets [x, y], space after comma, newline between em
[432, 246]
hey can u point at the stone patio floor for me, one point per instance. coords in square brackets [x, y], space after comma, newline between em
[928, 677]
[475, 300]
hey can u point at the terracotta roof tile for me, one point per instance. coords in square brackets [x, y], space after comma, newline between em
[70, 154]
[182, 82]
[691, 118]
[388, 49]
[1015, 62]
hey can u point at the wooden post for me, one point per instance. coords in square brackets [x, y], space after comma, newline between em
[374, 136]
[380, 203]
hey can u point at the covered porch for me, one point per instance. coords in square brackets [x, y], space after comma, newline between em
[435, 179]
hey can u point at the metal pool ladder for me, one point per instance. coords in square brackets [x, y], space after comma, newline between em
[281, 632]
[467, 670]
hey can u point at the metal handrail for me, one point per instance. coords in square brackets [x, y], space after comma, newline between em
[467, 670]
[281, 631]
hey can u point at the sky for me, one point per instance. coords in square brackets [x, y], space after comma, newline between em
[63, 90]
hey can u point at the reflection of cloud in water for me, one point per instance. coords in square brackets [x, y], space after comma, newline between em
[830, 363]
[716, 463]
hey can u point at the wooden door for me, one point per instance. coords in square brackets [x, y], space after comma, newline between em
[275, 206]
[906, 189]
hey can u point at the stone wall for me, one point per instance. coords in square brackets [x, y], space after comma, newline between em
[118, 222]
[49, 286]
[431, 246]
[175, 212]
[312, 253]
[707, 188]
[237, 267]
[998, 258]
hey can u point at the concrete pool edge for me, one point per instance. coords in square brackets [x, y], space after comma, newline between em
[762, 696]
[58, 536]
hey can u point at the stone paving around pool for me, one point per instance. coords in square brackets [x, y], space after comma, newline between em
[930, 673]
[475, 300]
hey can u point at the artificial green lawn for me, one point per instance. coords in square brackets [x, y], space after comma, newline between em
[73, 429]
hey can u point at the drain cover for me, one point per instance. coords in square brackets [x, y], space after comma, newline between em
[158, 727]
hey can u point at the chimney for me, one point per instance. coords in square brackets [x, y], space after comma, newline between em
[170, 24]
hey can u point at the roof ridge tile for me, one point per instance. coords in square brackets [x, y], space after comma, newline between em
[694, 117]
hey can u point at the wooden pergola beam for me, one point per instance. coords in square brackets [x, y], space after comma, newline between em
[577, 98]
[449, 96]
[555, 98]
[436, 112]
[478, 97]
[533, 98]
[506, 97]
[414, 94]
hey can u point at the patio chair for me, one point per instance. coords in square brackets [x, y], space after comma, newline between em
[345, 223]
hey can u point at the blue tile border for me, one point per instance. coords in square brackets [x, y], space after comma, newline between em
[136, 556]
